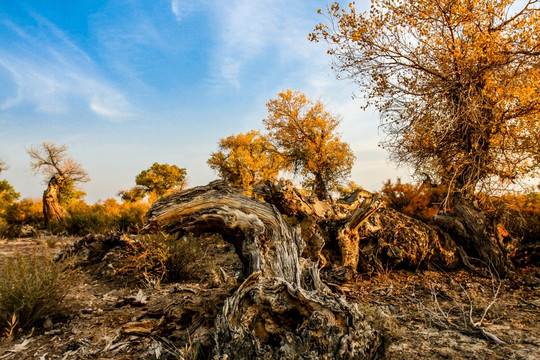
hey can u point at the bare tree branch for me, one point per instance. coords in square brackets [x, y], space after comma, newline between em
[50, 159]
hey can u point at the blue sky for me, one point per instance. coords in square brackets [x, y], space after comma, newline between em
[125, 83]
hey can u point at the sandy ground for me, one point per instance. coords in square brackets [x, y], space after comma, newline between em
[427, 313]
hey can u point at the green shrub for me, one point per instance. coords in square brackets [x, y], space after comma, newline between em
[31, 289]
[92, 220]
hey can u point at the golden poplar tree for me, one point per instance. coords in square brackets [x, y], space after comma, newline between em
[161, 179]
[246, 160]
[457, 84]
[306, 136]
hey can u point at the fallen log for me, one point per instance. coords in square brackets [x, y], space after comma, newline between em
[360, 233]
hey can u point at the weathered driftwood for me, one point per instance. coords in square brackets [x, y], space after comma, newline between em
[282, 309]
[360, 233]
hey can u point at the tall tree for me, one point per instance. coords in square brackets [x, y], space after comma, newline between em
[246, 160]
[305, 134]
[61, 173]
[160, 179]
[457, 84]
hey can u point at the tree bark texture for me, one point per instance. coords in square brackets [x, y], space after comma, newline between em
[471, 230]
[282, 310]
[52, 209]
[360, 233]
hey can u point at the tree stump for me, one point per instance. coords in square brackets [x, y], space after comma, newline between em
[282, 310]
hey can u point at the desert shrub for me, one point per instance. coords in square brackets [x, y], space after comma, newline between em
[8, 195]
[88, 220]
[24, 212]
[421, 201]
[18, 214]
[101, 217]
[517, 214]
[131, 216]
[31, 289]
[161, 257]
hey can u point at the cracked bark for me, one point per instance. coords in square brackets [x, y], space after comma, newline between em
[282, 309]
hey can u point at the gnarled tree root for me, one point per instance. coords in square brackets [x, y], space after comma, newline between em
[282, 310]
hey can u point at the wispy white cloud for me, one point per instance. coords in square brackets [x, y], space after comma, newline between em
[257, 32]
[55, 76]
[246, 29]
[181, 8]
[63, 39]
[114, 106]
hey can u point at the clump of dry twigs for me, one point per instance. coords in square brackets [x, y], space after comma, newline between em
[161, 258]
[462, 309]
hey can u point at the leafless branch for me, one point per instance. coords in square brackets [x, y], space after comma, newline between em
[50, 159]
[3, 166]
[445, 316]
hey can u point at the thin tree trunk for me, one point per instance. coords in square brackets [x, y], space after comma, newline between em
[321, 191]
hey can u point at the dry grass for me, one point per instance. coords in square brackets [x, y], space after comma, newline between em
[31, 289]
[158, 258]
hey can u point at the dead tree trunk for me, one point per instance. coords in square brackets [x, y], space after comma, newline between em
[52, 209]
[283, 309]
[471, 230]
[360, 233]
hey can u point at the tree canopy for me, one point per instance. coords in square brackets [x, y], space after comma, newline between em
[159, 179]
[302, 137]
[50, 159]
[246, 160]
[306, 136]
[133, 194]
[457, 83]
[7, 193]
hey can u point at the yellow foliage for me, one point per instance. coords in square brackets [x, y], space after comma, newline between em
[302, 137]
[457, 83]
[306, 136]
[246, 160]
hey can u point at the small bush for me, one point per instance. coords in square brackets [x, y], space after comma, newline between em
[92, 220]
[519, 214]
[131, 217]
[31, 289]
[24, 212]
[420, 201]
[102, 217]
[160, 258]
